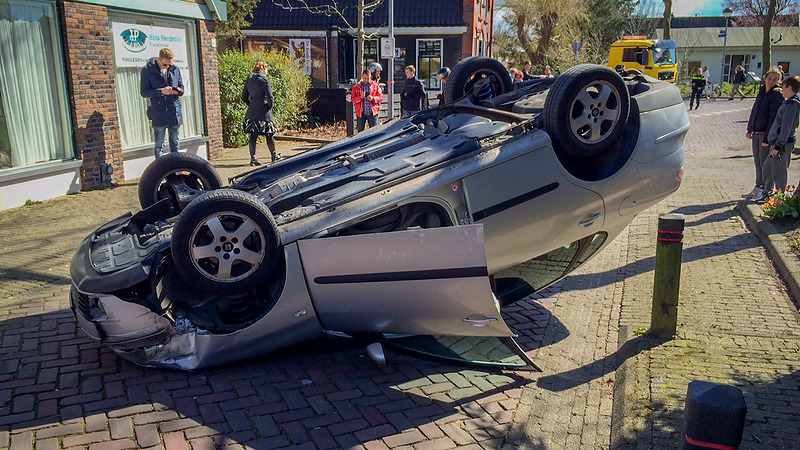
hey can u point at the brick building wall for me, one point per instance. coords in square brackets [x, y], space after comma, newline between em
[209, 73]
[478, 19]
[89, 62]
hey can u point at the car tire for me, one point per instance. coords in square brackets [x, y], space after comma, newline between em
[586, 110]
[194, 172]
[225, 242]
[471, 70]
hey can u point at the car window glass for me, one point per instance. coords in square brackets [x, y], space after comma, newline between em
[630, 55]
[524, 279]
[592, 246]
[663, 57]
[473, 350]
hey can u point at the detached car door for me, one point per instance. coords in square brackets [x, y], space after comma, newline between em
[416, 282]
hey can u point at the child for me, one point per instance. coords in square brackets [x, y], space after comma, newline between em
[781, 139]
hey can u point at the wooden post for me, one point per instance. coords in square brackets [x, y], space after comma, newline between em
[669, 247]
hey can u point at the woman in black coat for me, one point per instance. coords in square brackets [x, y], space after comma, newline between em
[258, 121]
[768, 100]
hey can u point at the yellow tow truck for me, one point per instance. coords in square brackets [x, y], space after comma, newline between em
[654, 57]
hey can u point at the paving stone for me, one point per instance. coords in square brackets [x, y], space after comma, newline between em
[147, 435]
[121, 427]
[84, 439]
[114, 445]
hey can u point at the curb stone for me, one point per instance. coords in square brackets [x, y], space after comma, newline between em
[780, 253]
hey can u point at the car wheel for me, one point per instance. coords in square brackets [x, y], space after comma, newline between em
[176, 176]
[225, 242]
[586, 109]
[468, 72]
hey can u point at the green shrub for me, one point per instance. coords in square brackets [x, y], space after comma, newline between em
[289, 86]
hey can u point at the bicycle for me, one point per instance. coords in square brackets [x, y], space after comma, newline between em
[712, 90]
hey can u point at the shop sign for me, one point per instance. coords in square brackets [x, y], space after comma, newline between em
[135, 44]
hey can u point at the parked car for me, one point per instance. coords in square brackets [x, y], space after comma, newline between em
[414, 232]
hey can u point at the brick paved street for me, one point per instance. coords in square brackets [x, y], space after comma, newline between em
[602, 386]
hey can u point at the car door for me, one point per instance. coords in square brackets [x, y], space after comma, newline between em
[420, 282]
[529, 206]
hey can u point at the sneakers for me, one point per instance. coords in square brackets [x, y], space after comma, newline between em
[254, 161]
[756, 190]
[761, 197]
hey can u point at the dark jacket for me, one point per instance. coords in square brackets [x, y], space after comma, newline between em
[413, 92]
[257, 95]
[764, 110]
[164, 110]
[739, 78]
[786, 121]
[698, 83]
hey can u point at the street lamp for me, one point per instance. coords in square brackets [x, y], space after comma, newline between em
[727, 12]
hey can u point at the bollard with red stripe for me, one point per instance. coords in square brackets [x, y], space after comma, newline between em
[669, 248]
[714, 416]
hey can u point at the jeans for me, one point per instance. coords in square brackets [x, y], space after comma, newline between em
[371, 120]
[158, 135]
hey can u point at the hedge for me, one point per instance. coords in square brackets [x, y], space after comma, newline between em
[289, 86]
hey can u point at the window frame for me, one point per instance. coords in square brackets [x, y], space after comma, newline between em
[193, 56]
[61, 94]
[437, 84]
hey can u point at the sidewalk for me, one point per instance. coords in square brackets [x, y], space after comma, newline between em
[603, 385]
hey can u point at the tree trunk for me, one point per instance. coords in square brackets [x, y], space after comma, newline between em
[766, 45]
[667, 17]
[360, 35]
[549, 22]
[524, 40]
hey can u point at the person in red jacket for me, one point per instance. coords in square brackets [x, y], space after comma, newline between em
[366, 97]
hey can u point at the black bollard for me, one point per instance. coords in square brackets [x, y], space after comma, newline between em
[714, 416]
[350, 114]
[669, 247]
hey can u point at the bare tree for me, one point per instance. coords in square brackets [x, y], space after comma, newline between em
[332, 8]
[642, 22]
[667, 17]
[753, 13]
[539, 25]
[766, 44]
[766, 14]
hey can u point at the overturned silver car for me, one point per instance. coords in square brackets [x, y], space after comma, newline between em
[415, 232]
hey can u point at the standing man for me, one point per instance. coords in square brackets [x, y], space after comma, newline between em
[163, 85]
[413, 92]
[526, 71]
[366, 97]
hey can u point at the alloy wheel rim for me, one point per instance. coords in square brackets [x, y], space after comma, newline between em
[227, 247]
[595, 112]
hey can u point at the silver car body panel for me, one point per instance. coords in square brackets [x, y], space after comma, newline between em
[512, 192]
[292, 319]
[431, 281]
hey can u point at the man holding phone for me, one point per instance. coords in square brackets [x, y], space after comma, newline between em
[162, 84]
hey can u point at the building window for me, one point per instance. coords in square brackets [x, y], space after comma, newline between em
[136, 39]
[34, 122]
[429, 61]
[731, 61]
[370, 53]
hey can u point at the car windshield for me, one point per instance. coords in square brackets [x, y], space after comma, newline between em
[663, 56]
